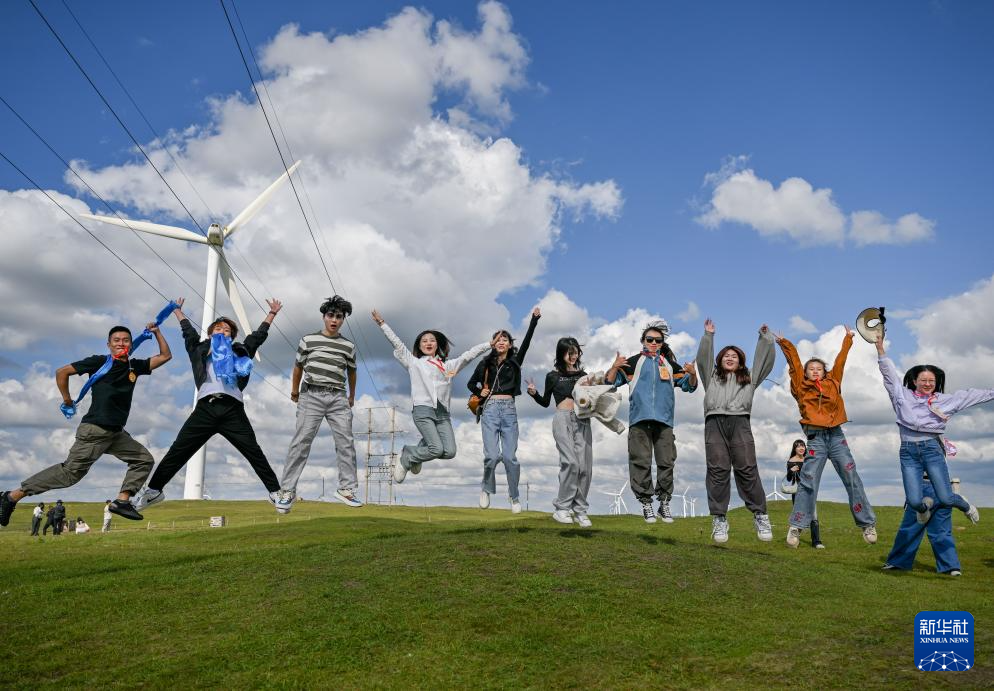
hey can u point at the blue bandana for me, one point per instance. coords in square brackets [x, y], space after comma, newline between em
[228, 366]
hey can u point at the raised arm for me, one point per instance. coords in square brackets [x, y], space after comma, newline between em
[765, 357]
[455, 364]
[400, 351]
[191, 337]
[519, 356]
[793, 361]
[965, 398]
[705, 354]
[165, 355]
[839, 367]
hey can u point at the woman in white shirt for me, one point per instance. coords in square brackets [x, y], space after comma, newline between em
[431, 375]
[81, 526]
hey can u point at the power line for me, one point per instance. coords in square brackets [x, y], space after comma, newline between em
[86, 75]
[279, 151]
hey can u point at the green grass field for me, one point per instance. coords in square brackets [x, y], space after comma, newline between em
[332, 597]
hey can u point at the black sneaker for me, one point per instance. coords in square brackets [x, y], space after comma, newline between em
[6, 508]
[124, 509]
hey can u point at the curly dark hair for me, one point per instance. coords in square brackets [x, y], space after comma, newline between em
[336, 305]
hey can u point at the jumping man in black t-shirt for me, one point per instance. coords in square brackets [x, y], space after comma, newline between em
[101, 431]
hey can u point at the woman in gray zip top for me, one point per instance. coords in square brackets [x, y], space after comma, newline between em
[728, 443]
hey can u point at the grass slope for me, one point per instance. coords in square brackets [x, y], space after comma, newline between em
[332, 597]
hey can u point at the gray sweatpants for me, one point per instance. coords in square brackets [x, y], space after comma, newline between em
[730, 448]
[574, 441]
[437, 438]
[92, 442]
[314, 406]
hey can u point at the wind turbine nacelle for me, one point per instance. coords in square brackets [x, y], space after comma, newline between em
[214, 234]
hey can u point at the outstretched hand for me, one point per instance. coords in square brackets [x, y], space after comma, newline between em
[764, 329]
[537, 312]
[849, 331]
[274, 305]
[377, 317]
[708, 326]
[879, 343]
[531, 386]
[619, 361]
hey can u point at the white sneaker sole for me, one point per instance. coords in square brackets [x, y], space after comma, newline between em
[348, 502]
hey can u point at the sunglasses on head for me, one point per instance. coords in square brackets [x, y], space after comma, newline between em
[653, 339]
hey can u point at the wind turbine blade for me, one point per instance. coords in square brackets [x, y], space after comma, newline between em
[228, 281]
[153, 228]
[252, 209]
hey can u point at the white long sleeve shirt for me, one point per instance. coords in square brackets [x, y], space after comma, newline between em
[431, 378]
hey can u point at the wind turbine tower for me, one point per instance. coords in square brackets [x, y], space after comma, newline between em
[217, 264]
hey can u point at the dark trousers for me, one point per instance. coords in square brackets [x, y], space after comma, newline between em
[212, 415]
[49, 524]
[729, 448]
[646, 439]
[35, 524]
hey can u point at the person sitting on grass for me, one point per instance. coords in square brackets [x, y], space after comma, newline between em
[922, 409]
[101, 431]
[81, 526]
[940, 536]
[325, 361]
[431, 374]
[221, 370]
[818, 392]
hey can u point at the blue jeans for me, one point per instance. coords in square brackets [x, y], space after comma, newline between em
[940, 536]
[927, 456]
[437, 437]
[824, 444]
[500, 445]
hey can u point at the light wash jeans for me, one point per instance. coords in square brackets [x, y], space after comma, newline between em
[437, 438]
[826, 444]
[928, 456]
[499, 423]
[940, 535]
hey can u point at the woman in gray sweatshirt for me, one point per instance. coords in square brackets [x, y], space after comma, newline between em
[728, 444]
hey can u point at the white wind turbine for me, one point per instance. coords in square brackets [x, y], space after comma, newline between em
[618, 502]
[693, 507]
[775, 494]
[217, 263]
[686, 501]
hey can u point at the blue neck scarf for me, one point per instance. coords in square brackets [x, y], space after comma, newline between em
[228, 366]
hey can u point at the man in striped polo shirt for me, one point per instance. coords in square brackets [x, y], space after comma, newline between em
[325, 360]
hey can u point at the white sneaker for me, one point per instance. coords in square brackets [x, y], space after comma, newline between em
[562, 516]
[955, 572]
[348, 497]
[515, 506]
[926, 515]
[793, 537]
[648, 513]
[664, 511]
[399, 472]
[484, 500]
[583, 521]
[973, 514]
[147, 497]
[870, 535]
[764, 531]
[719, 529]
[274, 497]
[284, 500]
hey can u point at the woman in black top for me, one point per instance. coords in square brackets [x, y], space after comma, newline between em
[573, 435]
[497, 379]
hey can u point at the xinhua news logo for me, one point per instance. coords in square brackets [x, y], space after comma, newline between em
[943, 641]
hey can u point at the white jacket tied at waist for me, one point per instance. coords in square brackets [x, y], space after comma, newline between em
[598, 401]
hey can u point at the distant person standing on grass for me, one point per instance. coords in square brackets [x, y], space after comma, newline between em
[59, 517]
[107, 516]
[798, 454]
[326, 360]
[36, 517]
[101, 431]
[818, 391]
[50, 522]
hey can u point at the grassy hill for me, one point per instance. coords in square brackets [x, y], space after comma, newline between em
[333, 597]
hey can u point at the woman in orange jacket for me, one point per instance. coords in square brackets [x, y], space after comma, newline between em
[818, 391]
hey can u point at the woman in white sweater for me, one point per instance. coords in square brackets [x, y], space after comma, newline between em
[431, 375]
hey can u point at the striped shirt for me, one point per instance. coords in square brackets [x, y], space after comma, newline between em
[325, 360]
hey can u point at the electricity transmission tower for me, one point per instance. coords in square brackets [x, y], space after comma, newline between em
[380, 456]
